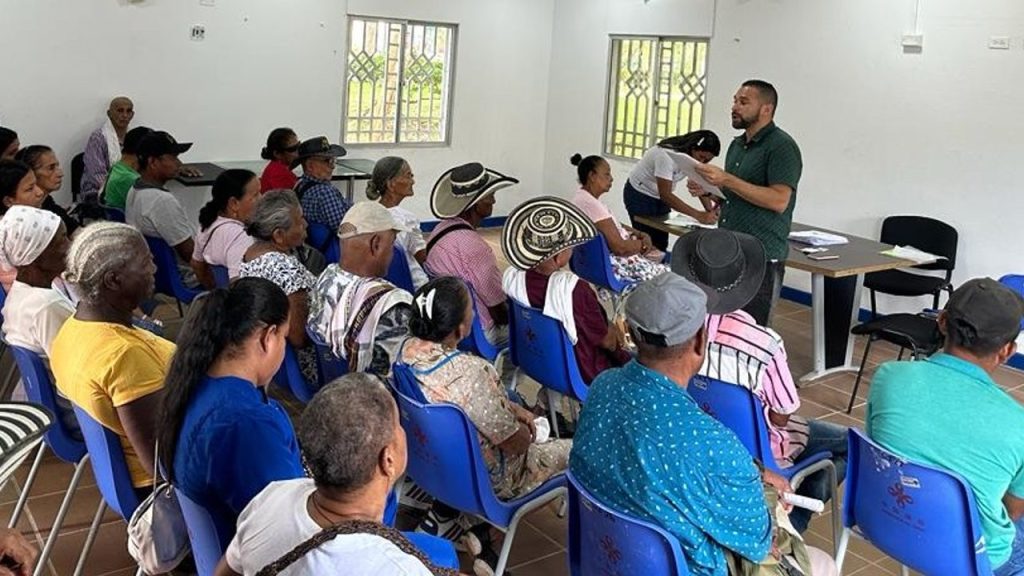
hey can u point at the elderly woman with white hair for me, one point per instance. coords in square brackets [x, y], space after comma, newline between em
[101, 362]
[390, 183]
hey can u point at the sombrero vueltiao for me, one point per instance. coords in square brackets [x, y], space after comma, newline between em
[463, 186]
[542, 227]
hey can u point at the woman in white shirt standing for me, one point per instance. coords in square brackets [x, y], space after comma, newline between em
[649, 190]
[354, 448]
[390, 183]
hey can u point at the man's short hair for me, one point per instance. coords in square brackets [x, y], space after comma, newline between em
[766, 91]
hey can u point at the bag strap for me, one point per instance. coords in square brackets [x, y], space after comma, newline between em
[437, 237]
[353, 527]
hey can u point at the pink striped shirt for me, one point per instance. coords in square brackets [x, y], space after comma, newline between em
[741, 352]
[466, 255]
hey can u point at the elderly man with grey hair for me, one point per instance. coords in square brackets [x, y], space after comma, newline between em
[354, 449]
[643, 446]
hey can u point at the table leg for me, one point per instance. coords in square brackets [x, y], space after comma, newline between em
[351, 190]
[835, 304]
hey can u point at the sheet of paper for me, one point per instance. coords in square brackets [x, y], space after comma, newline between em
[680, 219]
[817, 238]
[913, 254]
[688, 166]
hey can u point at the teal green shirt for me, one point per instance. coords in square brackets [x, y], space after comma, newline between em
[770, 157]
[119, 182]
[949, 413]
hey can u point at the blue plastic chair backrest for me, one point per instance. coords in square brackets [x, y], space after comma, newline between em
[221, 278]
[923, 517]
[399, 273]
[739, 410]
[324, 239]
[289, 376]
[114, 214]
[40, 389]
[540, 346]
[108, 465]
[405, 382]
[445, 459]
[168, 279]
[202, 534]
[329, 367]
[592, 261]
[477, 342]
[1016, 283]
[603, 541]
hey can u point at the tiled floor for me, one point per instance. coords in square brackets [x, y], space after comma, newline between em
[540, 544]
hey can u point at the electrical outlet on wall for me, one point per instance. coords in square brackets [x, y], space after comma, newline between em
[198, 33]
[999, 43]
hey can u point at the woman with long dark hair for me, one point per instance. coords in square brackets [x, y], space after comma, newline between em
[222, 240]
[221, 439]
[282, 149]
[649, 190]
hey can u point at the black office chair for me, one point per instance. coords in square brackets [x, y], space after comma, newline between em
[918, 332]
[925, 234]
[77, 170]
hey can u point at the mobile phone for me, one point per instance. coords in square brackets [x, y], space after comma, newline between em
[823, 256]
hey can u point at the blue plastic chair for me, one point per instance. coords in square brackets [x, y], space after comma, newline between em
[592, 262]
[329, 367]
[399, 273]
[541, 348]
[113, 213]
[289, 376]
[168, 279]
[923, 517]
[322, 238]
[405, 382]
[1016, 283]
[603, 541]
[445, 460]
[40, 389]
[112, 477]
[742, 412]
[221, 277]
[202, 535]
[477, 342]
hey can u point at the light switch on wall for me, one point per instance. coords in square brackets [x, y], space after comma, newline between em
[999, 43]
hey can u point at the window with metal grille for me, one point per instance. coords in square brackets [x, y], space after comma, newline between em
[398, 82]
[655, 90]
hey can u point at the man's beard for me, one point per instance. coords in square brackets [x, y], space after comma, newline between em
[741, 123]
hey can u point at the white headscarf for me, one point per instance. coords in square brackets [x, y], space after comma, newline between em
[25, 232]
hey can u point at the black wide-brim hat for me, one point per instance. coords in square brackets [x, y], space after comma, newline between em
[318, 146]
[542, 227]
[727, 264]
[461, 187]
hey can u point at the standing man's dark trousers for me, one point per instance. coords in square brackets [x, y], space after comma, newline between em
[763, 304]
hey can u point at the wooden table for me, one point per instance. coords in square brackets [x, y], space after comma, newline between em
[835, 290]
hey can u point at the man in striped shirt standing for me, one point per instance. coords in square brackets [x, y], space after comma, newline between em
[741, 352]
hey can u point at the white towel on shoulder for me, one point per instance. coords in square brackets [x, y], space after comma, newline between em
[113, 144]
[557, 299]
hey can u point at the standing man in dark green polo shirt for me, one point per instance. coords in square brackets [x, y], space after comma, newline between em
[762, 170]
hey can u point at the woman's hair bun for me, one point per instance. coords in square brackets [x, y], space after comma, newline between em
[266, 154]
[575, 159]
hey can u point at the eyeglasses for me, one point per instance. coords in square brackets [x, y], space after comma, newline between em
[291, 148]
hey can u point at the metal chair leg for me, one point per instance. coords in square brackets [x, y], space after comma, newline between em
[23, 497]
[94, 528]
[58, 521]
[844, 541]
[900, 355]
[860, 373]
[554, 399]
[874, 308]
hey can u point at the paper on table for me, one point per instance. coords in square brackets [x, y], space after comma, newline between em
[913, 254]
[817, 238]
[688, 166]
[680, 219]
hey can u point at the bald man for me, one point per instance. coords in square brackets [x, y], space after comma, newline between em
[104, 146]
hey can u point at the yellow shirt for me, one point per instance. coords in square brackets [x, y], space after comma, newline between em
[100, 366]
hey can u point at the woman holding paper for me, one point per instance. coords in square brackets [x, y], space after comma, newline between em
[649, 190]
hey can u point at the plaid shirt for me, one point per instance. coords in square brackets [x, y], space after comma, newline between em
[741, 352]
[321, 201]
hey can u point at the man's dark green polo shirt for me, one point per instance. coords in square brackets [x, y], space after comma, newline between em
[771, 157]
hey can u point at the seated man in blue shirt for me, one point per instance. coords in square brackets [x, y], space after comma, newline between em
[321, 201]
[948, 412]
[643, 446]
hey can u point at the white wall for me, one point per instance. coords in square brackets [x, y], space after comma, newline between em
[266, 63]
[882, 132]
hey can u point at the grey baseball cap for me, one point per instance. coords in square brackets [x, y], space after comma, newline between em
[985, 309]
[666, 310]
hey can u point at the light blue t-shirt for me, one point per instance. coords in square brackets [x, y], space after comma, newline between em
[644, 447]
[949, 413]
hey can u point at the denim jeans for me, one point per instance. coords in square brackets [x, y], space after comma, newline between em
[639, 204]
[761, 306]
[822, 437]
[1015, 565]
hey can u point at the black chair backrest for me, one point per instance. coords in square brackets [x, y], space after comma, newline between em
[77, 170]
[923, 233]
